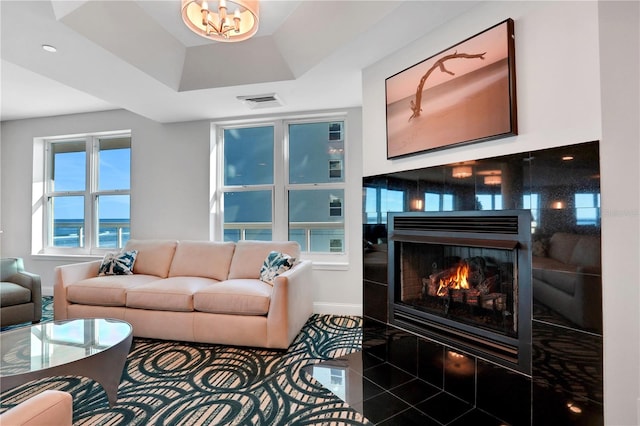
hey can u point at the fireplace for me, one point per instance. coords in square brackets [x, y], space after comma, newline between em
[464, 279]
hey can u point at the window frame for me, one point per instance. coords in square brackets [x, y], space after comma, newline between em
[91, 194]
[281, 185]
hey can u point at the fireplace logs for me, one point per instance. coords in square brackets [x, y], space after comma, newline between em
[472, 281]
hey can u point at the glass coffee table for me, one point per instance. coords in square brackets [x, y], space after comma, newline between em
[96, 348]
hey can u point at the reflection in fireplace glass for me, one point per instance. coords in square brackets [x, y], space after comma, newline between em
[472, 285]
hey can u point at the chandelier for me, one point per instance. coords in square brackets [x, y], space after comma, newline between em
[461, 172]
[224, 20]
[493, 180]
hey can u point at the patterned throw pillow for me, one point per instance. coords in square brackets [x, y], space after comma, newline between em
[120, 263]
[275, 264]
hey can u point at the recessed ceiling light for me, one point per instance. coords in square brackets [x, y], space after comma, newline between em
[49, 48]
[567, 158]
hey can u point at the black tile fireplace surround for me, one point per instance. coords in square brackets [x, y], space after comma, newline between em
[561, 189]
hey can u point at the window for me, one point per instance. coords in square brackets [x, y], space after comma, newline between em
[248, 183]
[87, 193]
[284, 179]
[587, 208]
[380, 201]
[489, 201]
[532, 202]
[436, 202]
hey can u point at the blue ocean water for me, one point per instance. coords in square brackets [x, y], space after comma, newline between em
[69, 232]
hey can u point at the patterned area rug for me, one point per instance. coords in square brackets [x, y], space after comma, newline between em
[178, 383]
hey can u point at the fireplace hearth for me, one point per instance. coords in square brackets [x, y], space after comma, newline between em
[463, 278]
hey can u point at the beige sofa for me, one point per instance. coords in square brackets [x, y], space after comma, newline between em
[198, 291]
[50, 407]
[567, 278]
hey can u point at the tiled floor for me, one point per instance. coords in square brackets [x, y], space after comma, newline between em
[387, 395]
[401, 379]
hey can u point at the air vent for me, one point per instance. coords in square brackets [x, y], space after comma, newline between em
[269, 100]
[479, 224]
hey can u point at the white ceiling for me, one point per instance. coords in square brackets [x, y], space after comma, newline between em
[138, 55]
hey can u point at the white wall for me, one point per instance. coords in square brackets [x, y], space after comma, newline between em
[559, 61]
[557, 77]
[619, 159]
[169, 192]
[338, 290]
[169, 182]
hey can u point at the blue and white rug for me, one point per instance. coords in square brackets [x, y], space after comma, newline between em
[178, 383]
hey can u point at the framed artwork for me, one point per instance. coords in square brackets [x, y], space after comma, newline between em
[464, 94]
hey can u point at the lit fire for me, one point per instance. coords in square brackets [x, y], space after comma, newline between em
[456, 281]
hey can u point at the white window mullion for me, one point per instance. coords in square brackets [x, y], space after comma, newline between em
[281, 183]
[90, 200]
[218, 209]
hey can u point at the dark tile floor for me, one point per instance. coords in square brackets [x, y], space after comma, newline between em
[401, 379]
[387, 395]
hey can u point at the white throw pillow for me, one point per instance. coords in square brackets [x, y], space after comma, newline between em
[120, 263]
[275, 264]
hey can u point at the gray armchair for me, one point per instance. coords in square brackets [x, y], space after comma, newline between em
[20, 293]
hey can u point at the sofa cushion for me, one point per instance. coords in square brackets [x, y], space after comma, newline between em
[13, 294]
[120, 263]
[275, 264]
[154, 256]
[206, 259]
[169, 294]
[108, 290]
[561, 246]
[540, 247]
[249, 256]
[561, 280]
[238, 297]
[587, 252]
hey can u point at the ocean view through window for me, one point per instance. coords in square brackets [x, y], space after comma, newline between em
[87, 196]
[70, 233]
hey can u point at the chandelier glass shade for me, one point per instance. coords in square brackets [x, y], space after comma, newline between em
[493, 180]
[222, 20]
[461, 172]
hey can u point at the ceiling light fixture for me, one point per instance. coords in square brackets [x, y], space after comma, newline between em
[493, 180]
[461, 172]
[49, 48]
[216, 23]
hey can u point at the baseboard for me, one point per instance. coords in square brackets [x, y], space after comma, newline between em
[324, 308]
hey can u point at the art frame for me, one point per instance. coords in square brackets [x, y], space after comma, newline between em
[461, 95]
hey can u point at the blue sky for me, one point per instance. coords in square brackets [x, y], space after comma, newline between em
[114, 171]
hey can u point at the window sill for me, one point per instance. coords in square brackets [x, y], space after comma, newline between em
[66, 257]
[330, 266]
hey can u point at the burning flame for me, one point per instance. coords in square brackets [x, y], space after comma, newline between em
[456, 281]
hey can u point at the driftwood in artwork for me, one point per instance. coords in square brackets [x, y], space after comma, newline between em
[416, 106]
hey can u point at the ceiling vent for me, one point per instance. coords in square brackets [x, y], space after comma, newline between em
[269, 100]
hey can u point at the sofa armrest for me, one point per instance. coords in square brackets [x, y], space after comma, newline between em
[50, 407]
[589, 270]
[69, 274]
[33, 283]
[26, 280]
[291, 305]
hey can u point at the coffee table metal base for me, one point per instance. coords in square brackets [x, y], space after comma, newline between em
[104, 367]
